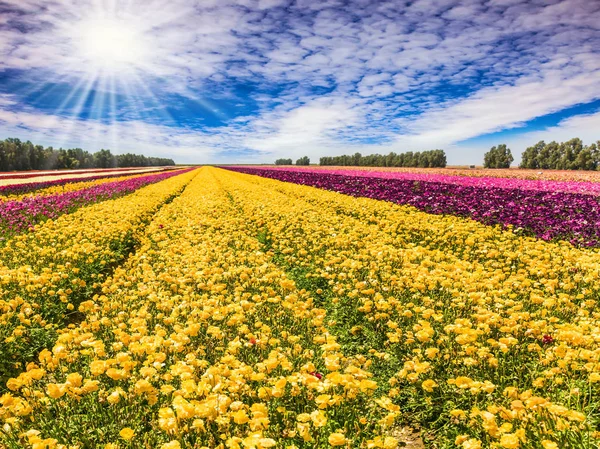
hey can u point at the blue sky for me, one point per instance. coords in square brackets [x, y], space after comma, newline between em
[250, 81]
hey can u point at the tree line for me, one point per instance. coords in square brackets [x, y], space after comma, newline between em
[431, 158]
[16, 155]
[570, 155]
[305, 160]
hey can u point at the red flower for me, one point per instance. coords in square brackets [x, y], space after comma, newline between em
[252, 341]
[547, 339]
[317, 375]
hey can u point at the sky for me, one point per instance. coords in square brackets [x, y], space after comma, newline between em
[251, 81]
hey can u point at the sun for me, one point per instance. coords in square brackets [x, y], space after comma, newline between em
[110, 45]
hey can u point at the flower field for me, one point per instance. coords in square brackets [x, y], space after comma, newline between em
[548, 210]
[14, 179]
[216, 309]
[15, 188]
[25, 211]
[509, 173]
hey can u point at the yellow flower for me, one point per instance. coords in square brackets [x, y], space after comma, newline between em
[114, 397]
[97, 367]
[55, 391]
[167, 420]
[171, 445]
[13, 384]
[547, 444]
[463, 382]
[322, 400]
[143, 386]
[429, 385]
[127, 433]
[337, 439]
[115, 374]
[240, 417]
[510, 441]
[318, 418]
[471, 443]
[431, 352]
[74, 380]
[90, 385]
[266, 442]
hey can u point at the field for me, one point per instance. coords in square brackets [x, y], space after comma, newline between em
[12, 179]
[254, 307]
[478, 172]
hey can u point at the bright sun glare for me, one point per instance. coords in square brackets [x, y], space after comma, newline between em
[110, 45]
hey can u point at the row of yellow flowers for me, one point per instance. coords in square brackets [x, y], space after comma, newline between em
[68, 187]
[482, 337]
[199, 341]
[46, 272]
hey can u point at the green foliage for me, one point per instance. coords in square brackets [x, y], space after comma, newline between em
[432, 158]
[570, 155]
[16, 155]
[283, 162]
[498, 157]
[304, 160]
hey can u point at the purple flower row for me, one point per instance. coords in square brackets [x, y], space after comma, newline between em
[548, 215]
[19, 189]
[18, 216]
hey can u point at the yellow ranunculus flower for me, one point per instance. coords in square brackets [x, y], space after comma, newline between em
[463, 382]
[471, 443]
[74, 380]
[127, 433]
[266, 442]
[171, 445]
[319, 418]
[428, 385]
[97, 367]
[240, 417]
[55, 391]
[115, 374]
[594, 377]
[337, 439]
[509, 441]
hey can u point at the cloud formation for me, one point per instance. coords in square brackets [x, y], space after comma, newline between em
[279, 78]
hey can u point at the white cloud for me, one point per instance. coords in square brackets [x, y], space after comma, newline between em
[497, 108]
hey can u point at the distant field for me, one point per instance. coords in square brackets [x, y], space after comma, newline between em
[550, 175]
[14, 178]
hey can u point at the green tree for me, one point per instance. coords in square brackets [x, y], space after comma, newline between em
[303, 161]
[531, 156]
[104, 159]
[498, 157]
